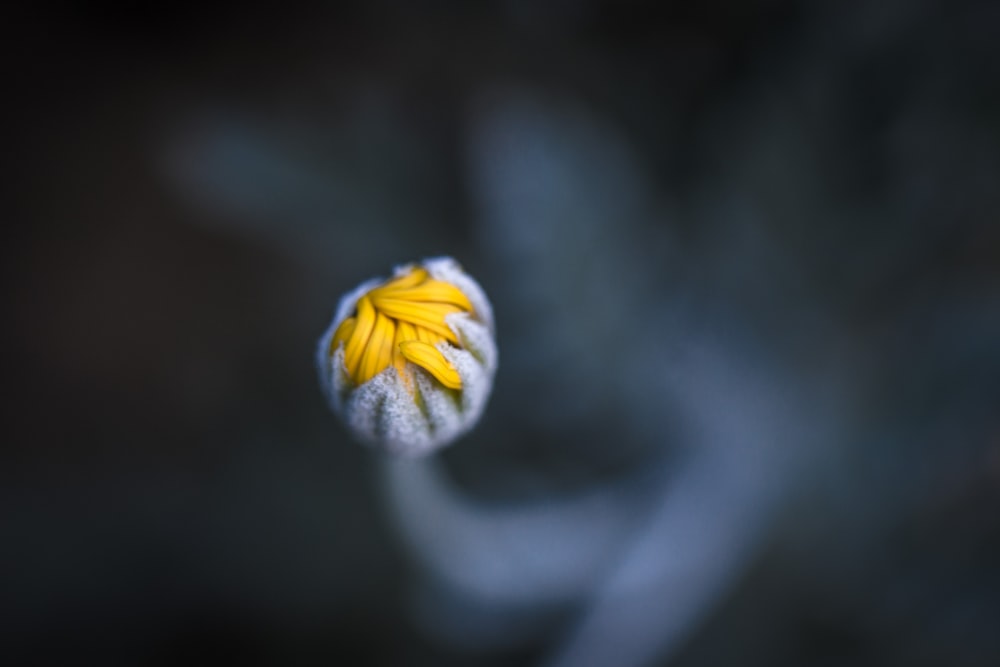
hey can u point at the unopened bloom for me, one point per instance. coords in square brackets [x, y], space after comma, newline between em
[408, 362]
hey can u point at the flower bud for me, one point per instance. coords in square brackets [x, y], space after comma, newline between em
[408, 362]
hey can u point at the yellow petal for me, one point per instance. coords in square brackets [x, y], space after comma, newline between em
[359, 338]
[430, 359]
[342, 334]
[378, 352]
[428, 315]
[404, 332]
[428, 336]
[430, 290]
[411, 279]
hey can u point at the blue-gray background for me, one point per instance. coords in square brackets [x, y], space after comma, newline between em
[745, 262]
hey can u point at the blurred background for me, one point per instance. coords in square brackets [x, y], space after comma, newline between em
[745, 262]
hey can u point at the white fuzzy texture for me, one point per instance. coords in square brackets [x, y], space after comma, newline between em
[383, 412]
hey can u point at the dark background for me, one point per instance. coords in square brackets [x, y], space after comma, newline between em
[801, 194]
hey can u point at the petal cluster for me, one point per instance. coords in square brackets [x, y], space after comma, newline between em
[409, 361]
[400, 321]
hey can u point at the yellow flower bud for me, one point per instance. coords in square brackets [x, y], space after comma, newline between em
[408, 362]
